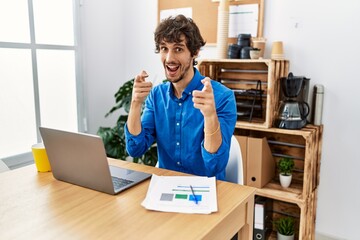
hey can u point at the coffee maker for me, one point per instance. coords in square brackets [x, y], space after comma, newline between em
[293, 109]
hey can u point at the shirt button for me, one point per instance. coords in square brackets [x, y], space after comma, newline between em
[179, 104]
[178, 143]
[177, 124]
[178, 163]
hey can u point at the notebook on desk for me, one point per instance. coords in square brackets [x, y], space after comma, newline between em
[80, 159]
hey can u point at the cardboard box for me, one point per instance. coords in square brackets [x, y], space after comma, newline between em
[258, 162]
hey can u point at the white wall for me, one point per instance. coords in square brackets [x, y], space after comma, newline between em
[317, 48]
[102, 42]
[320, 40]
[117, 44]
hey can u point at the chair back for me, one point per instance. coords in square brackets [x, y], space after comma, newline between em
[234, 168]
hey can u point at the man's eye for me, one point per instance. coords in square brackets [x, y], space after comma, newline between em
[179, 49]
[163, 49]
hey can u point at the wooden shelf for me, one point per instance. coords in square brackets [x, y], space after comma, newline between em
[301, 145]
[250, 75]
[292, 194]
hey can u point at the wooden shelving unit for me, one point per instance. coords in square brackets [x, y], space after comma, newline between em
[304, 145]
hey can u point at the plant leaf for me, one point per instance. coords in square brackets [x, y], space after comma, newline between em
[123, 97]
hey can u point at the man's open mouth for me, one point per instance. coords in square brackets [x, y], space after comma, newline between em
[172, 69]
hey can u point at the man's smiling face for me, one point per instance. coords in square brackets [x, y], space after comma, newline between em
[177, 60]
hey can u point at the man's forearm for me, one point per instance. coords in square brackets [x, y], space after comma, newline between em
[212, 134]
[134, 119]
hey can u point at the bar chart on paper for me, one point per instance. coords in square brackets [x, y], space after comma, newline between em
[184, 193]
[181, 194]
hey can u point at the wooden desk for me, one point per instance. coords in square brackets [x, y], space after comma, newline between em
[36, 206]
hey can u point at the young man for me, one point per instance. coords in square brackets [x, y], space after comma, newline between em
[191, 118]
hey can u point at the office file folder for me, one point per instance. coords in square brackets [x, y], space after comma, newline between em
[258, 161]
[262, 220]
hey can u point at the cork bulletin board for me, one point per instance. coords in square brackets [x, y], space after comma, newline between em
[204, 14]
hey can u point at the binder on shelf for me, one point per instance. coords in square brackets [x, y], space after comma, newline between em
[262, 222]
[257, 160]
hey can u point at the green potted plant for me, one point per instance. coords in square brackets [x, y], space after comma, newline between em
[114, 137]
[285, 228]
[286, 166]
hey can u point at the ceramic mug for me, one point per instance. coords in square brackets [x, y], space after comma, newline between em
[277, 50]
[260, 44]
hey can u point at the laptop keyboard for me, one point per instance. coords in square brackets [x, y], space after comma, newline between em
[120, 182]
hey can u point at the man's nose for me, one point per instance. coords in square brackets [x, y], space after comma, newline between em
[170, 56]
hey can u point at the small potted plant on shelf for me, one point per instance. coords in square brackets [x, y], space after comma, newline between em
[286, 166]
[285, 228]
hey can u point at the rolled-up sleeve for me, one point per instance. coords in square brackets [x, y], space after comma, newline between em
[137, 145]
[133, 143]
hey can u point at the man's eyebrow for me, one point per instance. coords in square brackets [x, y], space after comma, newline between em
[176, 44]
[181, 44]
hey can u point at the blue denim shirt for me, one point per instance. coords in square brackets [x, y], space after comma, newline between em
[178, 129]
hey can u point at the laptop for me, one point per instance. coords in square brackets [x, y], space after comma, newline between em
[80, 159]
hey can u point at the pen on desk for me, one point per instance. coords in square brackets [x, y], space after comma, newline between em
[193, 193]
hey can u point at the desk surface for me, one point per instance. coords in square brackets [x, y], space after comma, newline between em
[36, 206]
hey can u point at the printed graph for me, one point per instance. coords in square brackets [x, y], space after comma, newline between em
[184, 193]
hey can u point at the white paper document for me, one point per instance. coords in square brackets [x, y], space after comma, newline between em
[183, 194]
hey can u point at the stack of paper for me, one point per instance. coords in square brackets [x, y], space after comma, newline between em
[183, 194]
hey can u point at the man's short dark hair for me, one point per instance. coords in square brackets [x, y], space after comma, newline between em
[171, 30]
